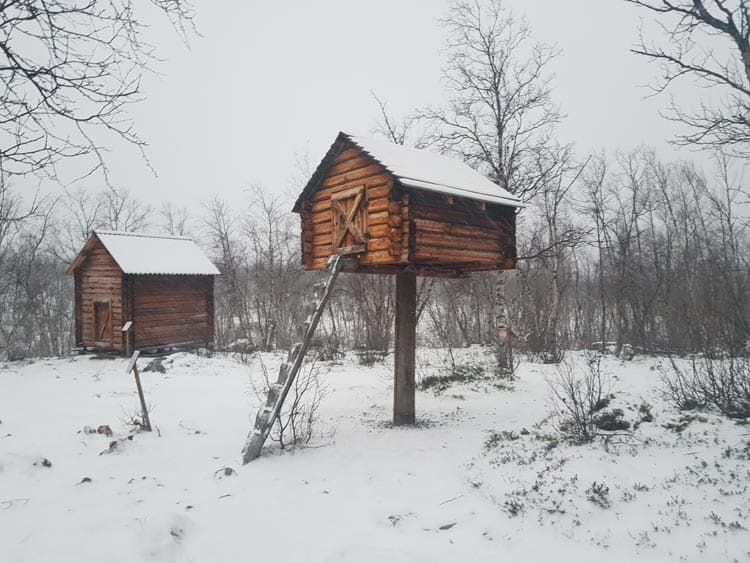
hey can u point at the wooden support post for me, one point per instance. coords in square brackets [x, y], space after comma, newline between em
[133, 366]
[406, 335]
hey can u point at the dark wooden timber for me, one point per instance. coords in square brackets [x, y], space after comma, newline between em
[406, 333]
[353, 205]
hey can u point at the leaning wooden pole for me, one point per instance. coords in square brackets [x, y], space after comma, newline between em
[133, 366]
[406, 336]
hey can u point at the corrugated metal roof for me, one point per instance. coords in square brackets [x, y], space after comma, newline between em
[153, 254]
[429, 171]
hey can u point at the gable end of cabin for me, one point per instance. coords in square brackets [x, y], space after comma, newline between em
[352, 208]
[356, 203]
[99, 309]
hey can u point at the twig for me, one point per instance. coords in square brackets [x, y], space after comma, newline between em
[309, 447]
[451, 500]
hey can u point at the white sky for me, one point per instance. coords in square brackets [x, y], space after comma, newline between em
[269, 81]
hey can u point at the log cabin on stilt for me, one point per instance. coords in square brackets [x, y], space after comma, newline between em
[408, 212]
[373, 207]
[161, 288]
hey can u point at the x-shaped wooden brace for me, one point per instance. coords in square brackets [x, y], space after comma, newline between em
[348, 225]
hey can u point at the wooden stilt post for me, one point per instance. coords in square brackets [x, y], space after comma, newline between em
[406, 335]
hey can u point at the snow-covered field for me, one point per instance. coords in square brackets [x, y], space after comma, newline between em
[483, 477]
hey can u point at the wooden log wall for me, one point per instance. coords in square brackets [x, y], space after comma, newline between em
[385, 226]
[98, 279]
[172, 309]
[462, 232]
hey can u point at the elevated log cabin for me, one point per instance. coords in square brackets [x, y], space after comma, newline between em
[397, 210]
[163, 285]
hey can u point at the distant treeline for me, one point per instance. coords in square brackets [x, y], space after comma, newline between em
[641, 252]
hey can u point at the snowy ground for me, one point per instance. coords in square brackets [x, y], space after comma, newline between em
[482, 477]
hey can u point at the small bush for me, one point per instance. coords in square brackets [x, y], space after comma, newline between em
[611, 421]
[598, 493]
[298, 419]
[720, 383]
[602, 403]
[156, 365]
[329, 353]
[683, 422]
[503, 436]
[370, 357]
[644, 410]
[514, 507]
[578, 397]
[458, 373]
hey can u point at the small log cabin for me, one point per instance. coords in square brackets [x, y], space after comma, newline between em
[163, 285]
[403, 210]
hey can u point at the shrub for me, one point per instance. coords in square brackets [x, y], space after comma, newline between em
[298, 419]
[611, 421]
[456, 373]
[598, 493]
[578, 397]
[720, 383]
[370, 357]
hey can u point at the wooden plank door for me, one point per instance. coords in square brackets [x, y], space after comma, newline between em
[349, 218]
[103, 322]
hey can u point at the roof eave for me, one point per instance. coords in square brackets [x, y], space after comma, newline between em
[410, 183]
[325, 164]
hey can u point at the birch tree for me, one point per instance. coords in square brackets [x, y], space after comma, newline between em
[500, 117]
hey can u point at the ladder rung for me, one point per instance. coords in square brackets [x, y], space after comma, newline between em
[261, 419]
[283, 373]
[273, 395]
[293, 352]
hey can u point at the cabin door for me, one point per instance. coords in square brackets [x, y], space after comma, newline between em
[102, 322]
[349, 221]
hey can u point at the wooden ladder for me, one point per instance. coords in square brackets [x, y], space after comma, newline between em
[288, 371]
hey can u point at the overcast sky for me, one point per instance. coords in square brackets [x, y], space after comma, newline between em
[268, 82]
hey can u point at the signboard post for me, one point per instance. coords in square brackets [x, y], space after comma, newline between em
[133, 365]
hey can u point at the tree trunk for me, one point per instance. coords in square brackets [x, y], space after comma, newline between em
[503, 346]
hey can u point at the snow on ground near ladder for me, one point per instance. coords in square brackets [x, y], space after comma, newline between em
[481, 479]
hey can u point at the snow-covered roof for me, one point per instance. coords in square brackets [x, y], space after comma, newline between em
[137, 253]
[426, 170]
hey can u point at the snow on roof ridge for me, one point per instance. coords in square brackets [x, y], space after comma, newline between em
[137, 253]
[136, 234]
[455, 176]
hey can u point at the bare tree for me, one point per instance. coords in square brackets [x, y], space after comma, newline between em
[69, 71]
[500, 117]
[174, 219]
[275, 275]
[395, 130]
[708, 42]
[222, 228]
[121, 212]
[561, 236]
